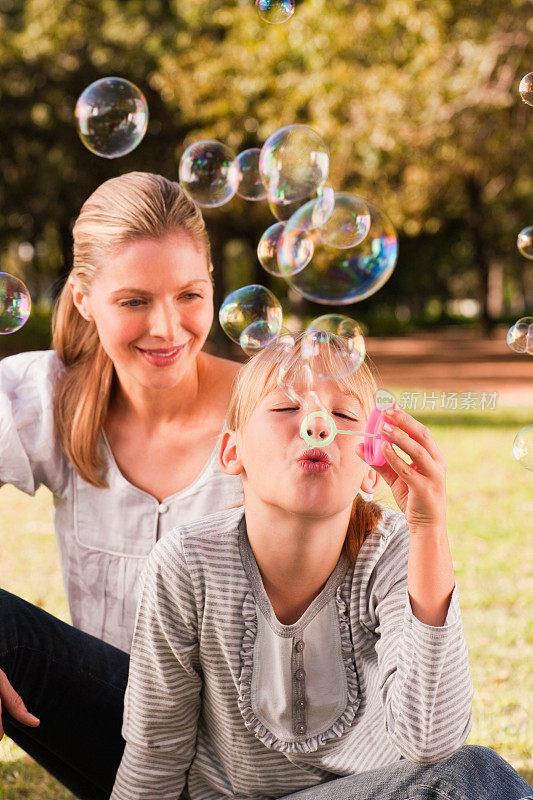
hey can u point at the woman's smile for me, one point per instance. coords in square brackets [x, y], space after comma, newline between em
[162, 356]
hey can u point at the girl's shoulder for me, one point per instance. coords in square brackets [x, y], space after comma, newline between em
[204, 539]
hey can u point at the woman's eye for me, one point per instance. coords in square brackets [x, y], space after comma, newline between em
[345, 416]
[135, 303]
[286, 408]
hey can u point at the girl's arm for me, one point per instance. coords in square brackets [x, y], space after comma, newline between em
[423, 657]
[424, 672]
[162, 701]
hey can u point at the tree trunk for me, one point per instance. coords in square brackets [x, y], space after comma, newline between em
[475, 225]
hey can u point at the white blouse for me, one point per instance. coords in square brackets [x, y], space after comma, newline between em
[103, 535]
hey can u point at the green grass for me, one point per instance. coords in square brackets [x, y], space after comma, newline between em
[490, 508]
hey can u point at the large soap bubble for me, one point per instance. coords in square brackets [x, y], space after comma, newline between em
[15, 303]
[520, 336]
[523, 447]
[252, 317]
[205, 173]
[526, 89]
[294, 163]
[339, 277]
[244, 175]
[111, 117]
[338, 220]
[267, 251]
[524, 242]
[275, 11]
[333, 346]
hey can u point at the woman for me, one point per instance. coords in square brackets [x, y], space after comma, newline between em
[121, 420]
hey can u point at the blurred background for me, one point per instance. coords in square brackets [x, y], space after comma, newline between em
[419, 106]
[418, 103]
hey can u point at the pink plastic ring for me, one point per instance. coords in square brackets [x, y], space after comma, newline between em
[372, 447]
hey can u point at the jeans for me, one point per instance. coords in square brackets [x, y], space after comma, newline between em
[75, 684]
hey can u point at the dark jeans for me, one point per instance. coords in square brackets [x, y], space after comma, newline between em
[75, 684]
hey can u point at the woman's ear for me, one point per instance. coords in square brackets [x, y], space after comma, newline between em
[228, 457]
[79, 298]
[370, 481]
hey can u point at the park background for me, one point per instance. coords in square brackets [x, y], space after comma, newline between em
[419, 106]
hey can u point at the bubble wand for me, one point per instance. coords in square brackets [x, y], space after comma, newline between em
[373, 439]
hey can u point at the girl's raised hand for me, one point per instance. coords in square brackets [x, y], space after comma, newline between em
[418, 487]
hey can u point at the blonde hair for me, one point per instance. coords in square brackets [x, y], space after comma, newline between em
[259, 376]
[138, 205]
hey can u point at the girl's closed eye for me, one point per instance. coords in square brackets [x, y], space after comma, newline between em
[286, 408]
[349, 417]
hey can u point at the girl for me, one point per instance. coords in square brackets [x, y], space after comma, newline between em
[121, 421]
[307, 642]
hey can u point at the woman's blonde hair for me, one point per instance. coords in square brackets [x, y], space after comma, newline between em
[259, 376]
[138, 205]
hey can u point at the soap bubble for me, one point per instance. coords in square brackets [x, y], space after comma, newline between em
[111, 117]
[294, 163]
[526, 89]
[524, 242]
[244, 175]
[267, 251]
[340, 221]
[340, 277]
[333, 346]
[523, 447]
[282, 211]
[204, 173]
[275, 11]
[252, 317]
[324, 205]
[15, 303]
[520, 336]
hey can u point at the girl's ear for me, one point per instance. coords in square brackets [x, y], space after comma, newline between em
[80, 300]
[370, 481]
[228, 457]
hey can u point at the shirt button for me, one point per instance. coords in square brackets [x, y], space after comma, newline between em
[299, 646]
[299, 674]
[163, 508]
[301, 728]
[300, 703]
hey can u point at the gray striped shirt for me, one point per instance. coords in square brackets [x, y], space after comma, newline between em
[225, 701]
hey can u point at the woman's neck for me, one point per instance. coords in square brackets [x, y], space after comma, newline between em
[153, 407]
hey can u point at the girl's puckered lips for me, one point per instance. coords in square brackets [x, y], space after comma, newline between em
[314, 460]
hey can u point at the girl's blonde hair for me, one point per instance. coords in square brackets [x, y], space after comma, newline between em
[138, 205]
[259, 376]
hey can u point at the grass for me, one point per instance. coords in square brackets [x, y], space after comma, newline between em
[490, 508]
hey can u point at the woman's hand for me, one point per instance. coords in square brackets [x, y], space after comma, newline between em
[418, 487]
[13, 703]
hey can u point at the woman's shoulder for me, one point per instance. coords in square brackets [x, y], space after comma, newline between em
[220, 370]
[35, 369]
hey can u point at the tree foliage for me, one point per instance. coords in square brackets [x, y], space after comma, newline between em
[418, 103]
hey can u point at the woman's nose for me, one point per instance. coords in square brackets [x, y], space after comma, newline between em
[165, 322]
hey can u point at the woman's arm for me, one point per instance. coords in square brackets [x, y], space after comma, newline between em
[162, 701]
[30, 453]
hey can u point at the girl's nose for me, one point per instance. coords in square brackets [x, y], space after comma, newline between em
[318, 428]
